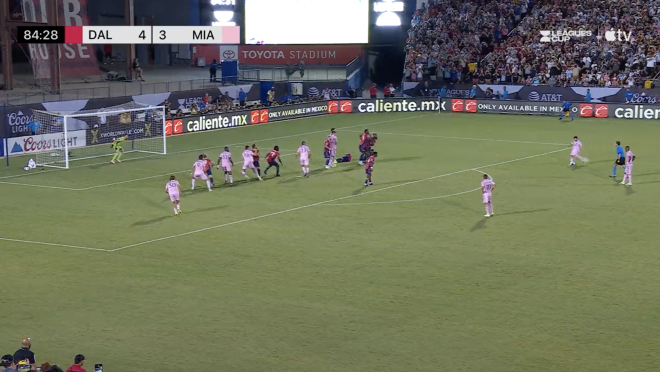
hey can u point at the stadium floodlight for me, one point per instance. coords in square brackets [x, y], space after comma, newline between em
[63, 137]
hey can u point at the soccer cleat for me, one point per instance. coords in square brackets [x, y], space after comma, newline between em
[118, 161]
[360, 162]
[612, 176]
[629, 184]
[327, 167]
[487, 215]
[112, 161]
[371, 183]
[622, 183]
[277, 175]
[366, 184]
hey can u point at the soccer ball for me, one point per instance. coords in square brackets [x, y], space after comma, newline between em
[335, 162]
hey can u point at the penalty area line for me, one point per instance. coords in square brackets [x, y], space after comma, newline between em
[53, 244]
[464, 138]
[407, 200]
[329, 201]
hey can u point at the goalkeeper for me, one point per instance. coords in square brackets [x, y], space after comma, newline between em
[117, 146]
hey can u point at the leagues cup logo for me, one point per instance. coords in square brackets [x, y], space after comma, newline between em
[147, 129]
[545, 36]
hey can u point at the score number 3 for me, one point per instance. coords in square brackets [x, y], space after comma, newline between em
[162, 36]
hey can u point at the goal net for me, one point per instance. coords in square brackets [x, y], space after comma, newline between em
[63, 137]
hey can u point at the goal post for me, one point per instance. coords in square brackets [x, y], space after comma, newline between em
[64, 138]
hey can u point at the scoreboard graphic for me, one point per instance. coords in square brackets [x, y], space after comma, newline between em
[129, 34]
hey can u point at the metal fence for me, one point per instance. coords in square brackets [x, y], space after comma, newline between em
[279, 74]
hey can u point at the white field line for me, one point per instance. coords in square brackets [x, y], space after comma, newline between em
[145, 178]
[408, 200]
[53, 244]
[221, 146]
[330, 201]
[463, 138]
[39, 186]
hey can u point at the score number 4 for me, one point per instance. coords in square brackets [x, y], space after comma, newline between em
[143, 35]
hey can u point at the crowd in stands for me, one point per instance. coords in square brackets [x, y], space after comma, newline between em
[480, 41]
[24, 360]
[224, 103]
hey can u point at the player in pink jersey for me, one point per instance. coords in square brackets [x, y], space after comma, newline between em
[304, 154]
[248, 162]
[226, 163]
[575, 152]
[173, 189]
[627, 174]
[369, 168]
[332, 141]
[199, 171]
[487, 187]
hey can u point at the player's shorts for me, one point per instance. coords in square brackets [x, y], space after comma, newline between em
[273, 164]
[628, 169]
[486, 198]
[575, 153]
[226, 168]
[621, 161]
[566, 110]
[174, 196]
[304, 162]
[209, 173]
[200, 175]
[363, 148]
[368, 170]
[119, 149]
[256, 164]
[248, 165]
[326, 154]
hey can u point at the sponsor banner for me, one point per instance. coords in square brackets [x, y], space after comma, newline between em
[45, 142]
[313, 89]
[227, 53]
[76, 60]
[292, 54]
[538, 93]
[135, 125]
[645, 112]
[201, 123]
[397, 105]
[509, 107]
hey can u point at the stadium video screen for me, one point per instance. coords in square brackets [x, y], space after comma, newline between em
[298, 22]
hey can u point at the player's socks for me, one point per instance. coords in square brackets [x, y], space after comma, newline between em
[193, 183]
[487, 209]
[225, 177]
[113, 158]
[572, 115]
[178, 206]
[231, 179]
[259, 172]
[491, 209]
[208, 184]
[614, 171]
[175, 212]
[211, 179]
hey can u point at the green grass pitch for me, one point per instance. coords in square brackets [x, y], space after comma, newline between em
[322, 274]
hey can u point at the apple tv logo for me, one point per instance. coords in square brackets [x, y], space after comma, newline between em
[617, 35]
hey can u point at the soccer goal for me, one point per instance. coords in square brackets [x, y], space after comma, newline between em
[61, 138]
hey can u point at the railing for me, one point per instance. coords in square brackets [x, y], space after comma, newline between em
[113, 89]
[279, 74]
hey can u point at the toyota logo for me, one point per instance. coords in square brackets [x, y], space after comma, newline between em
[228, 54]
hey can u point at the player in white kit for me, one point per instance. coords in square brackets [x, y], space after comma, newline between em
[248, 162]
[575, 152]
[226, 163]
[627, 174]
[199, 171]
[487, 187]
[304, 154]
[173, 189]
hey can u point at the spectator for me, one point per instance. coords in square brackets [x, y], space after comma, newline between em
[25, 354]
[391, 90]
[587, 98]
[443, 92]
[107, 54]
[137, 69]
[78, 363]
[473, 91]
[213, 69]
[242, 97]
[351, 91]
[505, 93]
[206, 99]
[7, 364]
[271, 96]
[426, 91]
[373, 91]
[54, 368]
[194, 109]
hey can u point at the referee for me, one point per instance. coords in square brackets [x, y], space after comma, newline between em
[620, 158]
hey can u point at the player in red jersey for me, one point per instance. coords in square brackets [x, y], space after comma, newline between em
[255, 156]
[368, 169]
[372, 144]
[365, 141]
[326, 152]
[209, 166]
[272, 158]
